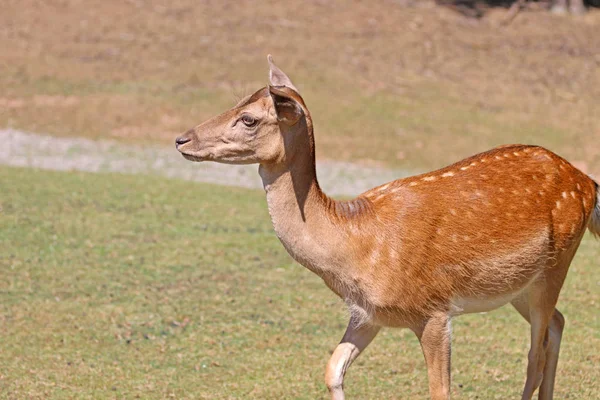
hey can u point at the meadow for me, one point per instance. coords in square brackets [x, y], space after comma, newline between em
[119, 286]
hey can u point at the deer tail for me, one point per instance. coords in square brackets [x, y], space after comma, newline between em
[594, 225]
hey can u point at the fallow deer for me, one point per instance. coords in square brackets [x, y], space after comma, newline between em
[498, 227]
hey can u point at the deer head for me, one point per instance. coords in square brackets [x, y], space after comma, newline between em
[498, 227]
[269, 127]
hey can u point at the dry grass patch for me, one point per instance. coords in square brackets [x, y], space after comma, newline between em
[416, 86]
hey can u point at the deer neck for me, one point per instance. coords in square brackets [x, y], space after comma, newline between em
[299, 213]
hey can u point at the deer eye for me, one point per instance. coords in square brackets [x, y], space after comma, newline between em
[249, 120]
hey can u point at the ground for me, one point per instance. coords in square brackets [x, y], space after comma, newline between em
[132, 286]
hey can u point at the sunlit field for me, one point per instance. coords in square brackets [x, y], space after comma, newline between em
[139, 287]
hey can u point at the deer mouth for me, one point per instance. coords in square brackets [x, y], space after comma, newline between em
[189, 154]
[191, 157]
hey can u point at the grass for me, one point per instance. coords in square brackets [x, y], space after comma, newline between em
[116, 286]
[411, 86]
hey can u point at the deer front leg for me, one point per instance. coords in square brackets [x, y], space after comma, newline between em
[559, 7]
[355, 340]
[434, 336]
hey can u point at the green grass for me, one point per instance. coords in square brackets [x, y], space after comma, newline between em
[117, 286]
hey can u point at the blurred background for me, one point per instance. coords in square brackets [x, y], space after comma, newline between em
[131, 286]
[409, 84]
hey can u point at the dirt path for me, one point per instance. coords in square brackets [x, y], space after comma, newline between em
[24, 149]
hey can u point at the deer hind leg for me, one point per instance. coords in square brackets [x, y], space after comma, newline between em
[536, 312]
[555, 330]
[355, 340]
[537, 306]
[576, 7]
[435, 338]
[552, 346]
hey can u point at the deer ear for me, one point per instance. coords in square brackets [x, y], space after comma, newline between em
[277, 77]
[287, 108]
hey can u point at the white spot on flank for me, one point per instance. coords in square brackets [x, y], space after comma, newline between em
[564, 195]
[501, 190]
[447, 174]
[528, 190]
[474, 163]
[483, 160]
[506, 155]
[498, 158]
[429, 178]
[452, 211]
[572, 194]
[394, 190]
[465, 168]
[384, 187]
[578, 186]
[374, 258]
[558, 204]
[413, 184]
[516, 153]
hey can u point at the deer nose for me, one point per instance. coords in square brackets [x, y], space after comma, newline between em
[181, 140]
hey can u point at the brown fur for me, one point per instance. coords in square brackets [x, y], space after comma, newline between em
[498, 227]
